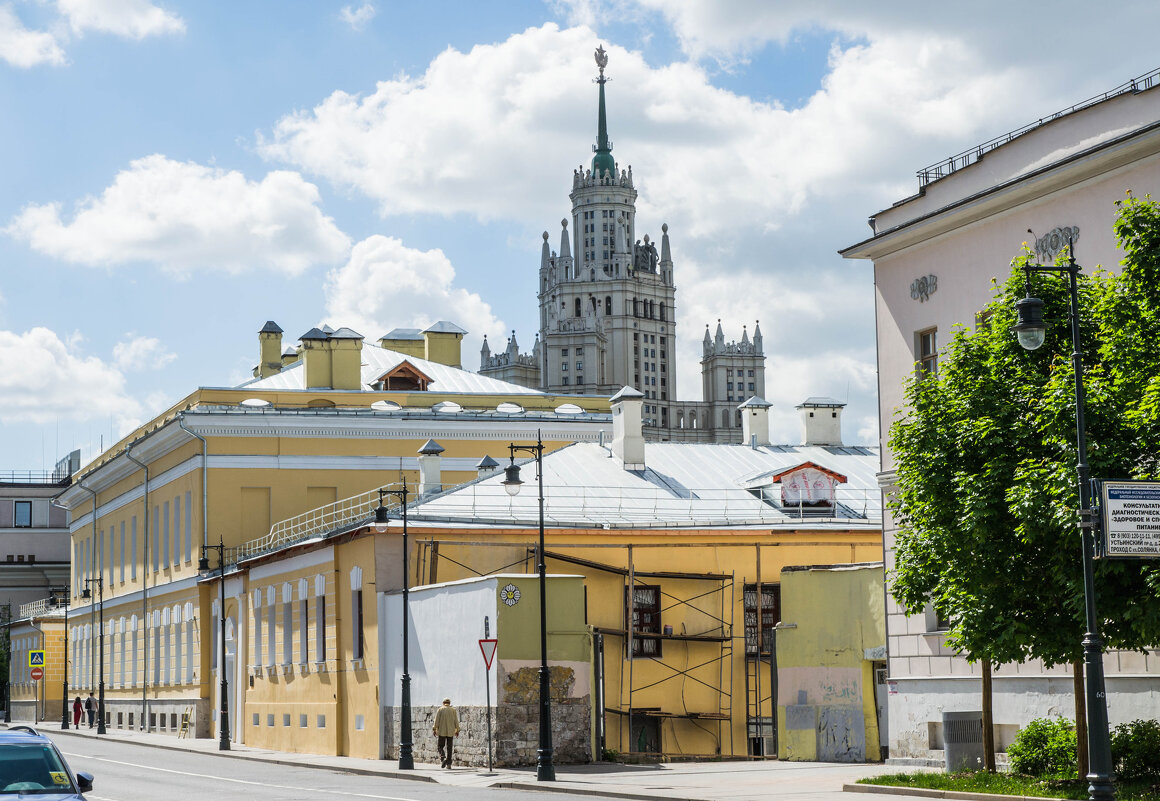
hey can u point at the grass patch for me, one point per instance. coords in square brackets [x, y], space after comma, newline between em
[1013, 784]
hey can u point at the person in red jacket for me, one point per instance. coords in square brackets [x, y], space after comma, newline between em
[77, 710]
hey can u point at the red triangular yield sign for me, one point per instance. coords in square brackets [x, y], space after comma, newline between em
[487, 648]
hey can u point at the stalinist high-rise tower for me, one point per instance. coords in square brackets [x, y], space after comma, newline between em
[608, 309]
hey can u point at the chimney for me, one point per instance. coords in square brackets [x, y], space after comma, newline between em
[441, 343]
[627, 439]
[486, 467]
[821, 421]
[270, 350]
[755, 421]
[429, 467]
[315, 359]
[346, 359]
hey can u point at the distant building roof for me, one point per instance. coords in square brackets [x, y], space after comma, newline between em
[377, 361]
[270, 327]
[819, 400]
[403, 333]
[444, 327]
[684, 485]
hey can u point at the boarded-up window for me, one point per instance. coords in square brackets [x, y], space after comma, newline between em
[644, 609]
[770, 615]
[255, 512]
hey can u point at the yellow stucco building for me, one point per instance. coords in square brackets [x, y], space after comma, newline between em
[254, 469]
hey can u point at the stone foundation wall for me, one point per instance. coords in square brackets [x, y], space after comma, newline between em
[515, 733]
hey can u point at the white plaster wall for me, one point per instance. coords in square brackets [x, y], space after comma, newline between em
[446, 625]
[916, 703]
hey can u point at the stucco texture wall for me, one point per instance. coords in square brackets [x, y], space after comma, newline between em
[832, 618]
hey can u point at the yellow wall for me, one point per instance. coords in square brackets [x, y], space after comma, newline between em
[713, 670]
[825, 680]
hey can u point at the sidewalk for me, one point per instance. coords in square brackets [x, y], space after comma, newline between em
[684, 781]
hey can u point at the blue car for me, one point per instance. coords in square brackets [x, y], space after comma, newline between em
[30, 764]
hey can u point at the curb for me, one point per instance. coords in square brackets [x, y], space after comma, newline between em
[923, 792]
[588, 791]
[354, 769]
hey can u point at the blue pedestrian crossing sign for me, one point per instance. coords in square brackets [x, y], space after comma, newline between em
[36, 658]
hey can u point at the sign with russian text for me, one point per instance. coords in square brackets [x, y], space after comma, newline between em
[1131, 512]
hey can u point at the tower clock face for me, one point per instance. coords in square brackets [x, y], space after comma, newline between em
[510, 595]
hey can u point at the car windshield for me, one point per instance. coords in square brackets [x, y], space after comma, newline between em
[32, 768]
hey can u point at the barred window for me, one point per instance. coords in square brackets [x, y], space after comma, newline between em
[770, 615]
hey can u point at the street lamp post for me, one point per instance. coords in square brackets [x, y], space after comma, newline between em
[544, 770]
[87, 595]
[58, 596]
[224, 706]
[1030, 331]
[406, 749]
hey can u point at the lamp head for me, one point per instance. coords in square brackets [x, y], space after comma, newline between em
[381, 518]
[203, 563]
[1030, 329]
[511, 480]
[87, 594]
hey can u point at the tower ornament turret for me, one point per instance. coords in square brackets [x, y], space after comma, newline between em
[601, 59]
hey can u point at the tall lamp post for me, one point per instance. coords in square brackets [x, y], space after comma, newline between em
[406, 750]
[224, 707]
[544, 770]
[87, 595]
[1030, 331]
[58, 596]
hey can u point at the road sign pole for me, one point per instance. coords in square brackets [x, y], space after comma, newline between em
[488, 648]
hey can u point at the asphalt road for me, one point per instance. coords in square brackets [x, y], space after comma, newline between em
[130, 772]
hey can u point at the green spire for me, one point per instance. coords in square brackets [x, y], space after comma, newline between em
[603, 159]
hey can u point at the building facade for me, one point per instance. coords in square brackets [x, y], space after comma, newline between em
[935, 255]
[258, 468]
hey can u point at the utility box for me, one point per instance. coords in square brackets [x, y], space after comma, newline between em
[963, 740]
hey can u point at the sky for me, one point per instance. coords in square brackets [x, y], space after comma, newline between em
[175, 173]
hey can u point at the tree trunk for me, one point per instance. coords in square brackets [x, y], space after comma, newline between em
[1081, 746]
[988, 724]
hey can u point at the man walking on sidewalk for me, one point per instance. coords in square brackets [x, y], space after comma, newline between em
[446, 728]
[91, 709]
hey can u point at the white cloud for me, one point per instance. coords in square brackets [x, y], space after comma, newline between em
[131, 19]
[141, 353]
[26, 48]
[186, 216]
[387, 285]
[44, 379]
[357, 18]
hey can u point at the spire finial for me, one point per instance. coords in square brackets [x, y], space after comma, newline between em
[602, 162]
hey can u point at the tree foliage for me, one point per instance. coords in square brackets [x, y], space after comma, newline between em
[985, 455]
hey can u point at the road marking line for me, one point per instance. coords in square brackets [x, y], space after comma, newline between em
[236, 781]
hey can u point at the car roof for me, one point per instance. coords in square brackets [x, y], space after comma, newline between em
[22, 736]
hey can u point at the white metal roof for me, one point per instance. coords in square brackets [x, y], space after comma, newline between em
[376, 361]
[684, 484]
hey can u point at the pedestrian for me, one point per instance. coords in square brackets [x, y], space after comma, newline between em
[91, 708]
[77, 708]
[446, 728]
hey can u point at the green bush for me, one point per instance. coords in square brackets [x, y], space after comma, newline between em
[1136, 750]
[1044, 748]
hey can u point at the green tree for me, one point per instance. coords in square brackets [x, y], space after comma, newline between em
[985, 456]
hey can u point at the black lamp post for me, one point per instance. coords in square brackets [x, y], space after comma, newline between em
[406, 750]
[1030, 331]
[544, 770]
[224, 707]
[58, 596]
[87, 595]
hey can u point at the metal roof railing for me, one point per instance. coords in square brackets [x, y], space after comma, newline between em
[957, 162]
[39, 608]
[315, 523]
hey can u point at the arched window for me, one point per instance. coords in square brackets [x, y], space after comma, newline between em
[358, 640]
[133, 662]
[608, 304]
[579, 308]
[662, 312]
[178, 650]
[692, 419]
[724, 418]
